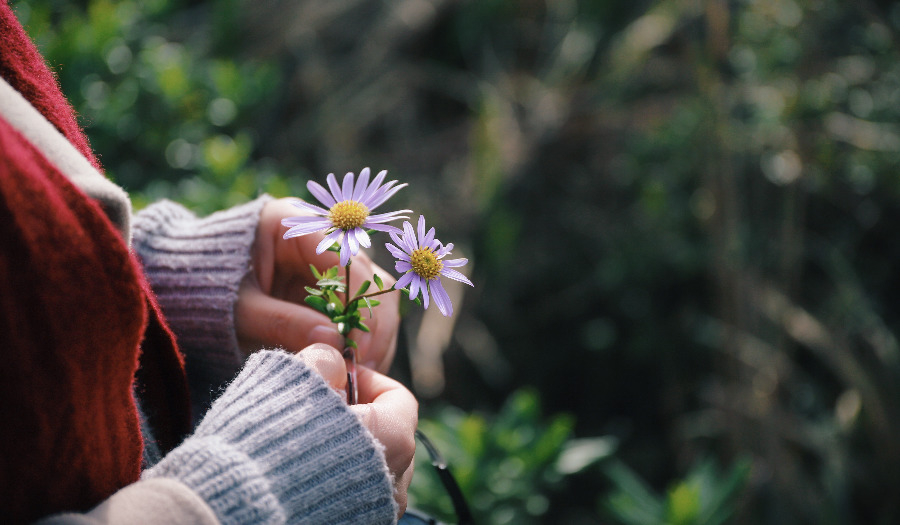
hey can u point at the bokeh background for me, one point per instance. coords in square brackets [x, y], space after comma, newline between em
[680, 215]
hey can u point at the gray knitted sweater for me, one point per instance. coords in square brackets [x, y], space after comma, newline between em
[278, 445]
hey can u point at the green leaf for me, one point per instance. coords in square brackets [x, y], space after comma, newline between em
[333, 298]
[332, 273]
[313, 291]
[315, 272]
[361, 325]
[378, 282]
[683, 503]
[579, 454]
[550, 442]
[633, 497]
[317, 302]
[363, 287]
[333, 283]
[353, 307]
[369, 304]
[335, 306]
[718, 509]
[350, 342]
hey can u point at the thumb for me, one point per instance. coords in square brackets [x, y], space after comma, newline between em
[328, 363]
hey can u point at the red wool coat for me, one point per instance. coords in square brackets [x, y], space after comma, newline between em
[78, 323]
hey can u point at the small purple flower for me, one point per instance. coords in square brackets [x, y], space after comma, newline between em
[421, 258]
[348, 214]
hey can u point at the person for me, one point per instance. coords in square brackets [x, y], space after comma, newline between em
[115, 327]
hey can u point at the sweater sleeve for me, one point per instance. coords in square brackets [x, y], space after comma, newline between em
[279, 446]
[159, 501]
[195, 266]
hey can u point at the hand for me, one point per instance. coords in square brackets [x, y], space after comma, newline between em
[387, 409]
[270, 311]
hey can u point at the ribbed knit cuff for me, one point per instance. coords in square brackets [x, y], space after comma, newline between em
[226, 478]
[195, 266]
[320, 462]
[280, 446]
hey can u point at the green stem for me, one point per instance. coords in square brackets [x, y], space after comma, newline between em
[370, 295]
[346, 330]
[348, 351]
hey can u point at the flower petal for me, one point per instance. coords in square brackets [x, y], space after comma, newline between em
[444, 250]
[345, 250]
[383, 227]
[305, 219]
[402, 266]
[455, 263]
[404, 280]
[414, 286]
[362, 237]
[456, 276]
[395, 236]
[378, 200]
[441, 298]
[362, 184]
[383, 193]
[420, 230]
[410, 237]
[352, 242]
[311, 207]
[425, 286]
[328, 241]
[320, 193]
[373, 188]
[396, 252]
[304, 229]
[334, 187]
[390, 216]
[348, 186]
[376, 193]
[429, 237]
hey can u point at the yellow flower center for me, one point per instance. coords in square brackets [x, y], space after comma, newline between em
[425, 263]
[347, 215]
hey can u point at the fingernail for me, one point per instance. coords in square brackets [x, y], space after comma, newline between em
[327, 335]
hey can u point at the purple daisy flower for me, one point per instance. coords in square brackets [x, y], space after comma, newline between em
[348, 214]
[421, 258]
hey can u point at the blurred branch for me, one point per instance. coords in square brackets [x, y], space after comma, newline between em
[836, 353]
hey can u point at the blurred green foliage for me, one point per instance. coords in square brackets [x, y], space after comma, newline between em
[680, 216]
[160, 108]
[703, 497]
[507, 464]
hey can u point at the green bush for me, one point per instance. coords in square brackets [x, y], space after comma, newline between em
[508, 465]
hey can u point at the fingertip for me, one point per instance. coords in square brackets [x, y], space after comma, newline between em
[327, 362]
